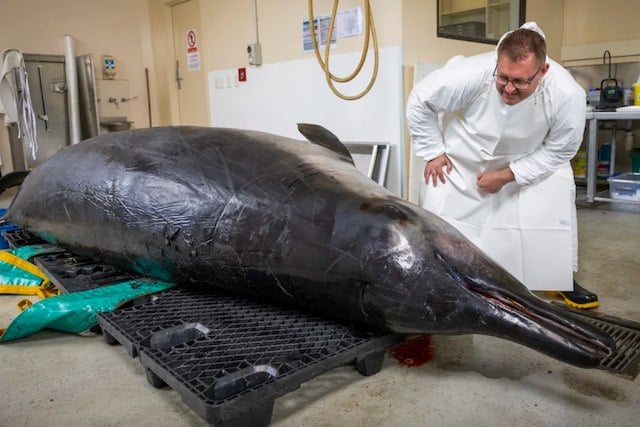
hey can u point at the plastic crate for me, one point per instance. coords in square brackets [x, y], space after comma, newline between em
[625, 186]
[4, 244]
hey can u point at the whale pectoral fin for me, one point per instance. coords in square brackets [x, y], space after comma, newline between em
[325, 138]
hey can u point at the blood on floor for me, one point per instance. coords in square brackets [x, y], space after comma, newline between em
[414, 351]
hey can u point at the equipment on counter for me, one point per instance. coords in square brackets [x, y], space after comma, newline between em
[611, 97]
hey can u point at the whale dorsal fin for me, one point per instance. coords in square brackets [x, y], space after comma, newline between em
[323, 137]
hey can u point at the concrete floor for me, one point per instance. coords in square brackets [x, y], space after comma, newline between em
[57, 379]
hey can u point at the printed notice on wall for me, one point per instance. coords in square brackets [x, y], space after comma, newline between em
[321, 27]
[193, 57]
[348, 23]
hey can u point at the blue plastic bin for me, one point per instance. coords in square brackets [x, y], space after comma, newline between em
[6, 227]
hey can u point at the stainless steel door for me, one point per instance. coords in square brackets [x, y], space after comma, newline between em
[48, 96]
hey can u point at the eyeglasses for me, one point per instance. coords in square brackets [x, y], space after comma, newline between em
[517, 83]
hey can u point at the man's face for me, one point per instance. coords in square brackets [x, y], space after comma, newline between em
[516, 81]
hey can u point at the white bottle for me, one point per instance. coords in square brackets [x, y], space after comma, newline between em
[628, 140]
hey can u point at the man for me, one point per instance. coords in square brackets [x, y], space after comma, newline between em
[498, 165]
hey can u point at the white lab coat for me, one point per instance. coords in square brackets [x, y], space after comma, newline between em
[529, 226]
[15, 99]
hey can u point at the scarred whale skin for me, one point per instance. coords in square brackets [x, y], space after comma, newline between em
[291, 221]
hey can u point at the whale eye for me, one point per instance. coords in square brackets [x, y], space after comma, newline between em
[385, 207]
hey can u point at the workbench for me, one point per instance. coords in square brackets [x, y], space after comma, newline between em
[592, 150]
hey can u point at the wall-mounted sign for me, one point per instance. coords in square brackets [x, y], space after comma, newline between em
[193, 57]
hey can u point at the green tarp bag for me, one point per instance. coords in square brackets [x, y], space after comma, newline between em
[76, 312]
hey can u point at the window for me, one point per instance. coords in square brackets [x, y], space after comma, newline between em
[479, 20]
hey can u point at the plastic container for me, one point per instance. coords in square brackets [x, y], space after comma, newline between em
[593, 97]
[636, 92]
[625, 186]
[628, 98]
[604, 160]
[579, 164]
[6, 227]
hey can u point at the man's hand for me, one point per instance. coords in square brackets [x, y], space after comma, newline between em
[493, 181]
[434, 169]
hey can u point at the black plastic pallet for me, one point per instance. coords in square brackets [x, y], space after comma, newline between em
[72, 273]
[20, 237]
[67, 271]
[228, 357]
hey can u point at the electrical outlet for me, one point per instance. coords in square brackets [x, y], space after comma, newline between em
[254, 51]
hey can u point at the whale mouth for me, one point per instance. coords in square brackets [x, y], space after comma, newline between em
[536, 323]
[563, 325]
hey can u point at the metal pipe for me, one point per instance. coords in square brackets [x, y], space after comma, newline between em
[89, 120]
[255, 18]
[146, 74]
[75, 133]
[44, 117]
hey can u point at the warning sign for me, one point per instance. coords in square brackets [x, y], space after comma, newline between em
[193, 57]
[191, 39]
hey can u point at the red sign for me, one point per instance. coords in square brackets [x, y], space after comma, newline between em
[191, 39]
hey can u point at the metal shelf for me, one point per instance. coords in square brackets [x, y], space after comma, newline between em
[462, 12]
[592, 125]
[604, 196]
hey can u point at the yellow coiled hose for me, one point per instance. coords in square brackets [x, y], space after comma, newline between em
[369, 29]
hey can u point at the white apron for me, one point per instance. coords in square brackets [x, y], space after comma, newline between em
[529, 230]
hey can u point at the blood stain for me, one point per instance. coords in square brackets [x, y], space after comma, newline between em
[414, 351]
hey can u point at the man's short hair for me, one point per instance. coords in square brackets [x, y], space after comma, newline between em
[522, 42]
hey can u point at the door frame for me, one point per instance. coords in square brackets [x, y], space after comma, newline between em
[175, 99]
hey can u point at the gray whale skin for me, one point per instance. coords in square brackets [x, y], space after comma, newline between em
[290, 221]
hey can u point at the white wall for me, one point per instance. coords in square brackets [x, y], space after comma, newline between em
[277, 96]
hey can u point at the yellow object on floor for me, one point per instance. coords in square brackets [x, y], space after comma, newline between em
[571, 303]
[20, 277]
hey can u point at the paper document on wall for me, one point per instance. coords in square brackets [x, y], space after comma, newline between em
[321, 27]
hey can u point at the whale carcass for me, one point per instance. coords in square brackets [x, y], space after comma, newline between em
[291, 221]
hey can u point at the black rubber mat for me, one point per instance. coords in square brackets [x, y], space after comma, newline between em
[625, 361]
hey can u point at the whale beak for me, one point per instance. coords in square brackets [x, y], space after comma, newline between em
[514, 313]
[546, 328]
[507, 309]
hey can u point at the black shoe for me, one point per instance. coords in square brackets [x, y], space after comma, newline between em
[579, 297]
